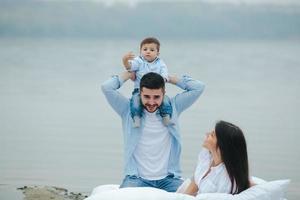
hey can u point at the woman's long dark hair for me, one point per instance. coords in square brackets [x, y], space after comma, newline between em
[233, 148]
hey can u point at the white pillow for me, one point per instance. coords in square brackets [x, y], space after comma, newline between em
[102, 188]
[273, 190]
[215, 196]
[257, 180]
[135, 193]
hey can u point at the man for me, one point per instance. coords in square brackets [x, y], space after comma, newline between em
[152, 151]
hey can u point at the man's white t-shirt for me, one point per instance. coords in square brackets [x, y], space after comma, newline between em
[153, 150]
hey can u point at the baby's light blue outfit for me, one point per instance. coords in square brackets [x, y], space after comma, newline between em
[141, 67]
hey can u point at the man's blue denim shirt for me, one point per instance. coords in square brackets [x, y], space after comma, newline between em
[180, 102]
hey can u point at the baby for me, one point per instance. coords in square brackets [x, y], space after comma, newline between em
[148, 61]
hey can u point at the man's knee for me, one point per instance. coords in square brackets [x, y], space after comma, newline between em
[175, 185]
[132, 181]
[171, 184]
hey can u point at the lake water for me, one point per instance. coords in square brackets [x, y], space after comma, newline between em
[56, 127]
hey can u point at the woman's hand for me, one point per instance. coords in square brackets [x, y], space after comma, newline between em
[192, 189]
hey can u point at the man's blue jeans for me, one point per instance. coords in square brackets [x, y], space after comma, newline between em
[169, 183]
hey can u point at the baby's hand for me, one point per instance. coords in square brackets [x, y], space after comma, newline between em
[128, 56]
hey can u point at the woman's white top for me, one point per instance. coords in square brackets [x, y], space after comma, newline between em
[216, 181]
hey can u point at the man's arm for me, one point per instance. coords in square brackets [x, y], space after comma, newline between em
[117, 101]
[193, 89]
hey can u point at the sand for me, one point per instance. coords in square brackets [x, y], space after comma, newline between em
[49, 193]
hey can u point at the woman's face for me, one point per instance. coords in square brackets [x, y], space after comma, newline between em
[210, 141]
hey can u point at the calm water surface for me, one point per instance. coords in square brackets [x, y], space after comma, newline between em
[56, 128]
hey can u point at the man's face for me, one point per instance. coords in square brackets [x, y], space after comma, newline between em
[149, 51]
[152, 98]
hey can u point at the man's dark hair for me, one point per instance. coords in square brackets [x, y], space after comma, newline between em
[150, 40]
[152, 81]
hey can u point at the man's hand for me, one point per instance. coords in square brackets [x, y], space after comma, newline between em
[173, 79]
[128, 56]
[132, 76]
[127, 75]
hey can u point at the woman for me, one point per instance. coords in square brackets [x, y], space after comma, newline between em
[223, 163]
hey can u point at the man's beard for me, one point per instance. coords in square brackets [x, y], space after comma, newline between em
[151, 108]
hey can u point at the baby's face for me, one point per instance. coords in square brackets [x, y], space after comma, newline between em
[149, 51]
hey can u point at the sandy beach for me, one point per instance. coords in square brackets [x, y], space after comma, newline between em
[49, 193]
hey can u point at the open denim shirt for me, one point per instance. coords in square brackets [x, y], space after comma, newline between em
[121, 105]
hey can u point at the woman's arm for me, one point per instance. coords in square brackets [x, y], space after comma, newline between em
[192, 188]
